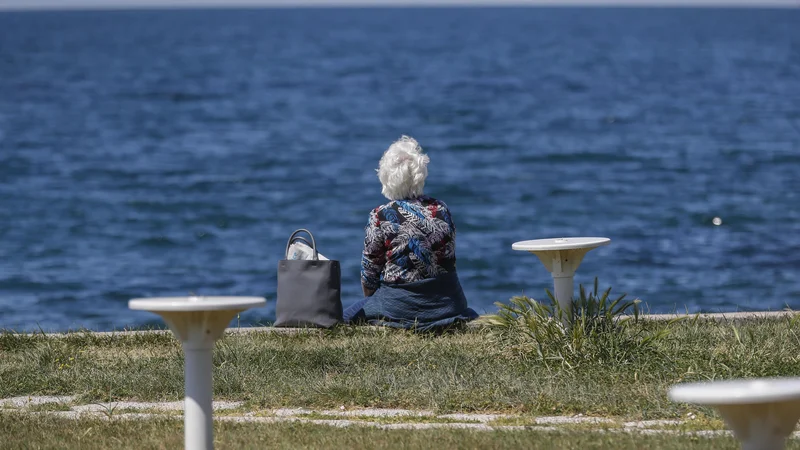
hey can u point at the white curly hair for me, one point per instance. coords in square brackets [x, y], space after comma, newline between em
[403, 169]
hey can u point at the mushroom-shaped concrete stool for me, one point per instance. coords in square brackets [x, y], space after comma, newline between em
[762, 413]
[197, 322]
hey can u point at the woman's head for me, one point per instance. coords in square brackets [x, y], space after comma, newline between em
[403, 169]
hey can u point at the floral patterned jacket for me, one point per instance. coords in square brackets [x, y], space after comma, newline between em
[408, 240]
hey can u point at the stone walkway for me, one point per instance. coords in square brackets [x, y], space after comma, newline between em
[68, 406]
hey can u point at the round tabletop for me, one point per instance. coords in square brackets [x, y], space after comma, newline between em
[195, 303]
[734, 392]
[568, 243]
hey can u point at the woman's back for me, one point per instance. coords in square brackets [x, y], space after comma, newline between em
[409, 240]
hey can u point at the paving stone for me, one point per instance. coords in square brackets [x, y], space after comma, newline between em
[554, 420]
[161, 406]
[20, 402]
[291, 411]
[651, 423]
[479, 417]
[377, 412]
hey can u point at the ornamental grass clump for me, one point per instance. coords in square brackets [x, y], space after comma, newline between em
[603, 330]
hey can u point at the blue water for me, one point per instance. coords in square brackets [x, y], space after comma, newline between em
[151, 153]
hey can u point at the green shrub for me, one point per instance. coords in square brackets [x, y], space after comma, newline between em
[601, 330]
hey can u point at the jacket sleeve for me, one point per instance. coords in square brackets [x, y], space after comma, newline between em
[374, 256]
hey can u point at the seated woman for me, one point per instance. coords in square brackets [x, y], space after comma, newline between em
[408, 268]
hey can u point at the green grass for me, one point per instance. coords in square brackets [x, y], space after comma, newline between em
[49, 406]
[600, 329]
[474, 370]
[23, 431]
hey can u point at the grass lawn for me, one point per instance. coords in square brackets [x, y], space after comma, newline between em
[471, 371]
[25, 431]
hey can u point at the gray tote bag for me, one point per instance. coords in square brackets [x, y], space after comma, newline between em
[309, 291]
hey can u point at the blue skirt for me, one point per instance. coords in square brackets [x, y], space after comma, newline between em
[422, 305]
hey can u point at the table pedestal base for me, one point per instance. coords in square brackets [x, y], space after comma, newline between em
[198, 408]
[198, 331]
[562, 265]
[761, 426]
[564, 288]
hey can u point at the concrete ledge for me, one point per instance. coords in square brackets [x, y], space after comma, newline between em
[721, 317]
[744, 315]
[235, 330]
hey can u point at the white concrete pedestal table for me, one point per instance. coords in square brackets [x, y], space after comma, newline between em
[561, 257]
[762, 413]
[197, 322]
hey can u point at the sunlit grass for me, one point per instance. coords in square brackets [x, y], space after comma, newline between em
[25, 431]
[475, 370]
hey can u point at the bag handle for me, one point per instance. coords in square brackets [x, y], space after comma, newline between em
[313, 242]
